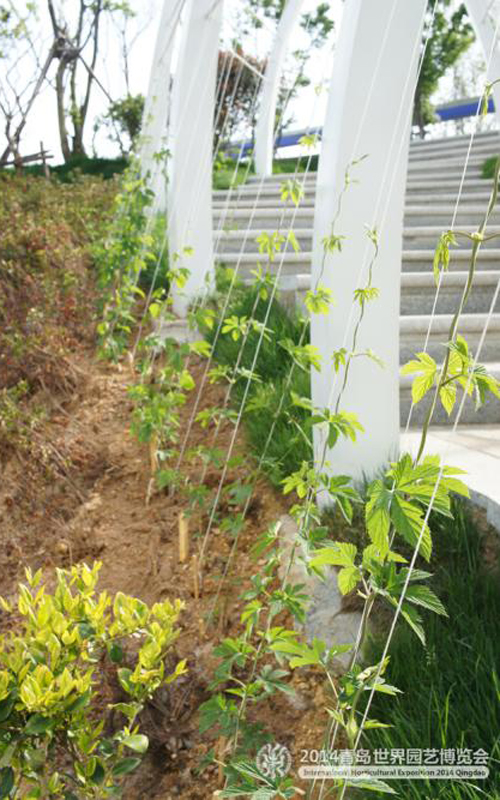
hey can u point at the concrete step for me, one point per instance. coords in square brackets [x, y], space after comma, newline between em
[452, 165]
[468, 216]
[480, 150]
[413, 331]
[418, 292]
[417, 235]
[260, 217]
[414, 238]
[413, 261]
[416, 186]
[488, 139]
[222, 207]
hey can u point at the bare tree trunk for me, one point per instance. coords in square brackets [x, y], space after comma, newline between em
[61, 112]
[13, 139]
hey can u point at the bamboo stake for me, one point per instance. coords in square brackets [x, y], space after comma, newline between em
[196, 579]
[183, 538]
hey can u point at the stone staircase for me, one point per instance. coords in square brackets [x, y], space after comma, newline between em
[434, 176]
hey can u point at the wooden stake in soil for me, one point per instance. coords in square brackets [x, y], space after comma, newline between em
[196, 577]
[183, 538]
[221, 749]
[153, 454]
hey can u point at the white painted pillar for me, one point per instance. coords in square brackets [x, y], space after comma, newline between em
[264, 131]
[190, 186]
[484, 17]
[156, 108]
[369, 112]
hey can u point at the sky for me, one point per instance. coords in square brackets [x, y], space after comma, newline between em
[308, 109]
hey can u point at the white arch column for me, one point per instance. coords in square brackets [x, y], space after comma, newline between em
[156, 108]
[190, 186]
[484, 17]
[264, 131]
[369, 113]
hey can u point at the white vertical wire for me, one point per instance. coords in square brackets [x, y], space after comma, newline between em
[365, 262]
[455, 211]
[233, 282]
[436, 487]
[169, 215]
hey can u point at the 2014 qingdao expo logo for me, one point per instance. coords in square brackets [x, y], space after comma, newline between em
[274, 760]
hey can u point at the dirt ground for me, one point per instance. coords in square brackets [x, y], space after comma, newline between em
[78, 493]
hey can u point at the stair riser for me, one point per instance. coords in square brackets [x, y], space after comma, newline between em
[222, 208]
[419, 301]
[303, 266]
[489, 414]
[422, 301]
[478, 154]
[414, 343]
[439, 170]
[424, 264]
[423, 240]
[432, 189]
[304, 217]
[226, 244]
[418, 188]
[465, 220]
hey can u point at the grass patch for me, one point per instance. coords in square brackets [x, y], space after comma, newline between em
[225, 178]
[488, 167]
[289, 445]
[284, 166]
[451, 689]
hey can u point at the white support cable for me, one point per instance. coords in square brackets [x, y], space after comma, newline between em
[243, 402]
[260, 185]
[423, 528]
[455, 210]
[165, 237]
[191, 89]
[382, 193]
[247, 387]
[155, 275]
[366, 261]
[454, 428]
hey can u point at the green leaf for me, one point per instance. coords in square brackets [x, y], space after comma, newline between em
[116, 653]
[348, 579]
[428, 368]
[125, 766]
[6, 781]
[38, 724]
[6, 707]
[409, 522]
[340, 554]
[448, 396]
[425, 597]
[137, 742]
[378, 520]
[98, 774]
[372, 786]
[414, 621]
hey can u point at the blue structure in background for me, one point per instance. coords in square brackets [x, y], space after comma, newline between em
[458, 109]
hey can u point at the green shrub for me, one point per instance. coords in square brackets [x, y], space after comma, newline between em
[488, 167]
[56, 667]
[269, 404]
[82, 165]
